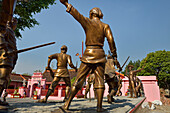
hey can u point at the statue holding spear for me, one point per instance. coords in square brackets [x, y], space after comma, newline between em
[8, 48]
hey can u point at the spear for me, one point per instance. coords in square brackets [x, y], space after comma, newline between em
[28, 49]
[125, 62]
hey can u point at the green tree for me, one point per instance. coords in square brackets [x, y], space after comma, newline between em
[27, 74]
[38, 71]
[14, 72]
[158, 64]
[24, 12]
[72, 80]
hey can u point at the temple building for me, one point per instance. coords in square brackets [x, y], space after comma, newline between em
[40, 82]
[16, 81]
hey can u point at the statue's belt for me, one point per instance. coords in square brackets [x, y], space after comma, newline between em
[58, 67]
[94, 47]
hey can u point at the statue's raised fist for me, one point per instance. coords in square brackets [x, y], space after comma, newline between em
[64, 1]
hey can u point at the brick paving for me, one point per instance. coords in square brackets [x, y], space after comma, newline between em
[28, 105]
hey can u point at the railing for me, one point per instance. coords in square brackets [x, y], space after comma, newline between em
[44, 92]
[63, 92]
[11, 91]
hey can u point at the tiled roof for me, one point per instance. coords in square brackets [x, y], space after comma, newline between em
[18, 78]
[48, 77]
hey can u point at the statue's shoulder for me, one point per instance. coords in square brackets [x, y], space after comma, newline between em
[54, 55]
[67, 55]
[106, 25]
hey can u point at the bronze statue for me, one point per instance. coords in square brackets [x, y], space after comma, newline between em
[4, 96]
[62, 72]
[111, 78]
[7, 8]
[119, 93]
[7, 61]
[93, 58]
[7, 43]
[8, 49]
[90, 81]
[139, 87]
[132, 83]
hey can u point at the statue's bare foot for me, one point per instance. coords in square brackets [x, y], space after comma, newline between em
[64, 100]
[4, 105]
[109, 99]
[60, 110]
[100, 110]
[113, 100]
[41, 101]
[85, 96]
[130, 97]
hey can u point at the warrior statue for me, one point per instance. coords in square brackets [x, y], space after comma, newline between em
[111, 78]
[139, 87]
[5, 95]
[90, 81]
[63, 60]
[132, 82]
[93, 58]
[7, 43]
[8, 49]
[119, 93]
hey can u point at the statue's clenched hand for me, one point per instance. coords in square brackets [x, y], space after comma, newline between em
[65, 2]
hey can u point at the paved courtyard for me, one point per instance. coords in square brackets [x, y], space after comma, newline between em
[28, 105]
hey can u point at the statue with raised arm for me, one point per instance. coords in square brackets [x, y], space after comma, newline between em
[93, 58]
[132, 82]
[63, 60]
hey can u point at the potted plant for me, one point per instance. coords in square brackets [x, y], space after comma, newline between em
[15, 94]
[35, 95]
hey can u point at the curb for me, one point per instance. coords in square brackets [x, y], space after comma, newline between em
[136, 106]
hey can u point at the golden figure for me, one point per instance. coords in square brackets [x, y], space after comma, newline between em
[4, 96]
[62, 72]
[7, 61]
[93, 58]
[90, 81]
[119, 93]
[132, 82]
[111, 78]
[139, 87]
[7, 44]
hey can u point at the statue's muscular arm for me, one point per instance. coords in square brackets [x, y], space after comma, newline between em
[136, 71]
[74, 12]
[50, 58]
[70, 63]
[110, 39]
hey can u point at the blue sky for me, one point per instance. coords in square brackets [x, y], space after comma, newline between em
[139, 27]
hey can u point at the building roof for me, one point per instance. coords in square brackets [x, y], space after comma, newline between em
[72, 73]
[18, 78]
[48, 77]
